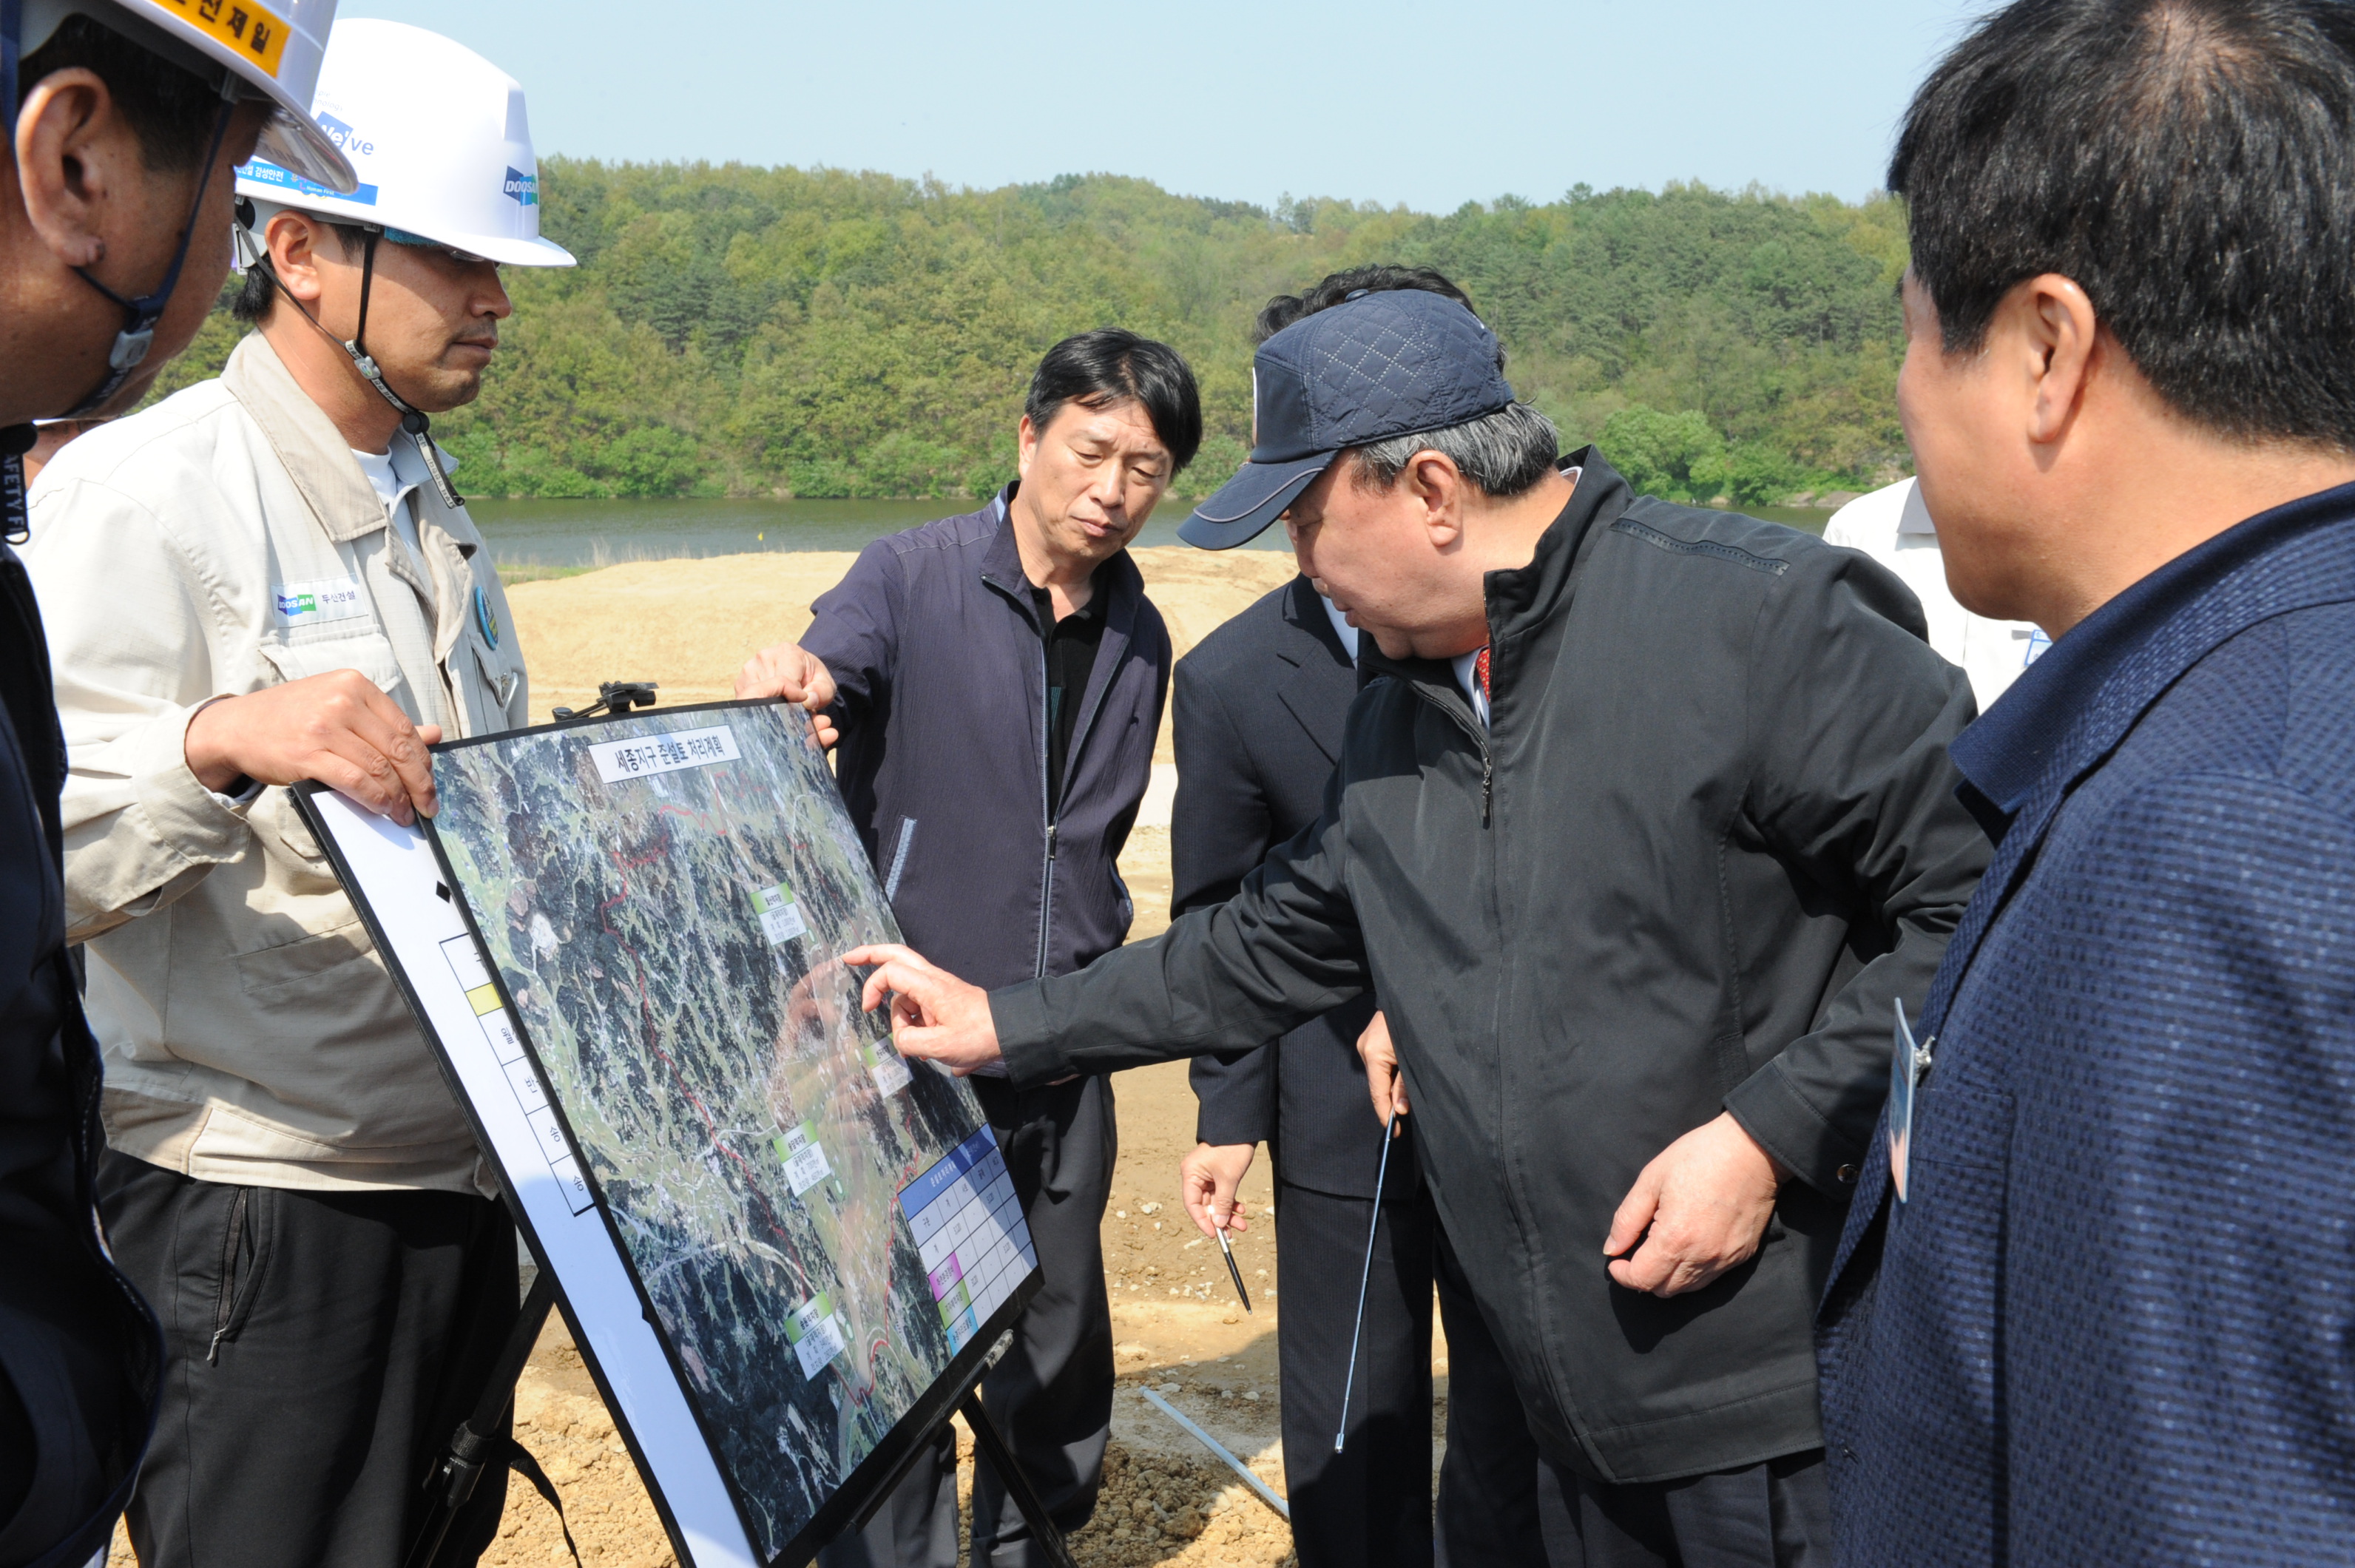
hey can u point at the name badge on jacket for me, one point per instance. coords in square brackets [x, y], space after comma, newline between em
[311, 604]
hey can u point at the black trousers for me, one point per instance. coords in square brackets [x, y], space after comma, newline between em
[1489, 1482]
[1051, 1395]
[319, 1349]
[1775, 1515]
[1370, 1503]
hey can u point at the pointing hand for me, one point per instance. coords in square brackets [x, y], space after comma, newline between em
[934, 1015]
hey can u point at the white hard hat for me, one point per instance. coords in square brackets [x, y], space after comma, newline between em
[438, 138]
[273, 49]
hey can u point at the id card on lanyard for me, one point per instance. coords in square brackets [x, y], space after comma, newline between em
[1907, 1064]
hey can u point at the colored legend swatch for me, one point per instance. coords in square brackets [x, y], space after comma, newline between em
[970, 1229]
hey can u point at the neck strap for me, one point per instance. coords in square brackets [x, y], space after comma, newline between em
[140, 316]
[15, 522]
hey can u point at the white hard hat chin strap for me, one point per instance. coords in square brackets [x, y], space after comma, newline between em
[413, 421]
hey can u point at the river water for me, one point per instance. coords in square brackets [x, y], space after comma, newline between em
[574, 534]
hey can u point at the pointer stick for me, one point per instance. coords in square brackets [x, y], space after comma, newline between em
[1381, 1170]
[1233, 1272]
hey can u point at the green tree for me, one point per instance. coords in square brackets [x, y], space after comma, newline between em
[1679, 456]
[817, 332]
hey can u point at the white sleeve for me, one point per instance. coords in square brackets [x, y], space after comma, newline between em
[134, 656]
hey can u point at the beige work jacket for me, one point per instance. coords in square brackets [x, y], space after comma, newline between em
[223, 541]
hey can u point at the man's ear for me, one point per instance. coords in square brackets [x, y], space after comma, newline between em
[1437, 486]
[2048, 325]
[76, 159]
[1026, 447]
[293, 241]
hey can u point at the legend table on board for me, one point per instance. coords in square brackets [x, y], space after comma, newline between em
[474, 977]
[970, 1229]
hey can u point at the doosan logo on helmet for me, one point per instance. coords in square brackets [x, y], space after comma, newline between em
[523, 187]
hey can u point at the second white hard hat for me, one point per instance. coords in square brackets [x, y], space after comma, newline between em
[273, 49]
[438, 138]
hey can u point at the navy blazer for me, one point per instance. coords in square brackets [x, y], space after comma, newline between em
[1261, 705]
[2115, 1322]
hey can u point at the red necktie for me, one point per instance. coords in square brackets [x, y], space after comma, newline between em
[1480, 670]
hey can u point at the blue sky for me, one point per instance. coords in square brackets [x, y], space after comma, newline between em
[1430, 104]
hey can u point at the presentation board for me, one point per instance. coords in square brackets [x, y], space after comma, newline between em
[783, 1250]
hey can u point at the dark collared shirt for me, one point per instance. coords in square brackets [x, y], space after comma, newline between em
[1072, 645]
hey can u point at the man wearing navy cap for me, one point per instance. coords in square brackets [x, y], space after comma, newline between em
[1640, 837]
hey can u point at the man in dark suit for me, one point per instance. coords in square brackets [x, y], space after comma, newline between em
[1260, 708]
[2096, 1306]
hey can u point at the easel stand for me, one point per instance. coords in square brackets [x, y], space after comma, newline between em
[476, 1444]
[989, 1443]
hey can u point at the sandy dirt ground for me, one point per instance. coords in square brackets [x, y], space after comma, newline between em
[1177, 1326]
[689, 623]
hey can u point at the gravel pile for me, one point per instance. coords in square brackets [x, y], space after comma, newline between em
[1160, 1510]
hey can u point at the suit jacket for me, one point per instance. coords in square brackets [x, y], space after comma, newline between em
[1261, 705]
[2111, 1322]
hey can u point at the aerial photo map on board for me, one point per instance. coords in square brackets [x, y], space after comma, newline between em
[818, 1227]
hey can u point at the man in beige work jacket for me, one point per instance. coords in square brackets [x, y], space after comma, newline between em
[263, 579]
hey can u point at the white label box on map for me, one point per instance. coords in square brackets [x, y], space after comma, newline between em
[781, 917]
[816, 1332]
[805, 1164]
[620, 759]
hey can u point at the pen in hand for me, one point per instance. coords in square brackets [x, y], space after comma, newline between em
[1233, 1272]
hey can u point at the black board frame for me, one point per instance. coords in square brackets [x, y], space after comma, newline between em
[859, 1495]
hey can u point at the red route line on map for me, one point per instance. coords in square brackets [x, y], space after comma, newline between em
[646, 1012]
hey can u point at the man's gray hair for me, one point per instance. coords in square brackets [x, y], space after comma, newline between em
[1504, 454]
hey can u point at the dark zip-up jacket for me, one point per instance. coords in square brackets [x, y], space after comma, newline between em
[942, 702]
[1709, 836]
[77, 1343]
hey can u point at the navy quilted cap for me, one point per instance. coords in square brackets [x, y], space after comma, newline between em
[1378, 364]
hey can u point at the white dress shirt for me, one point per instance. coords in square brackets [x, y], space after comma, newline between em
[1894, 528]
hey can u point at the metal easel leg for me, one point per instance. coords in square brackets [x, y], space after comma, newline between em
[476, 1445]
[990, 1444]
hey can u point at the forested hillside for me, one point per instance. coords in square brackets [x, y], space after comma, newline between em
[735, 330]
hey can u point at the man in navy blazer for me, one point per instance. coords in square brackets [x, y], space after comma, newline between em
[2095, 1304]
[1258, 707]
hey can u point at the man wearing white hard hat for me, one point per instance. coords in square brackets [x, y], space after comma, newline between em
[265, 578]
[125, 118]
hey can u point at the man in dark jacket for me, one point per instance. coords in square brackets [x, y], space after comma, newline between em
[122, 114]
[1260, 708]
[2100, 1310]
[1261, 704]
[996, 682]
[1646, 832]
